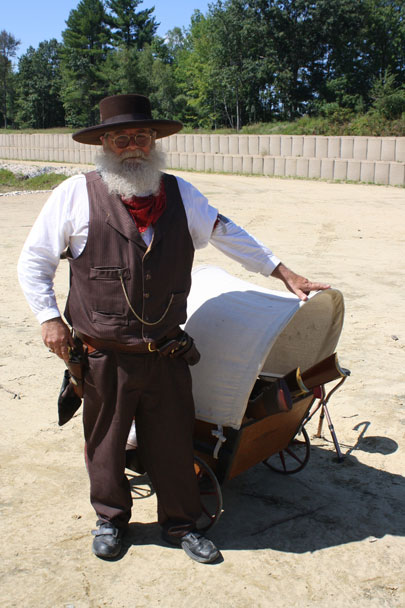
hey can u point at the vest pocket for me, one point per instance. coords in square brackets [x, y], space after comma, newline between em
[109, 318]
[109, 273]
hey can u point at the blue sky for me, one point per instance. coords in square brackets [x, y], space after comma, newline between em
[31, 22]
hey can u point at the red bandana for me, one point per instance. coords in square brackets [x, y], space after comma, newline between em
[146, 210]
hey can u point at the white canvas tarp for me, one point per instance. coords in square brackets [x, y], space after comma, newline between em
[242, 329]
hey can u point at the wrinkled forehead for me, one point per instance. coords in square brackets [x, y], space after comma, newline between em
[132, 131]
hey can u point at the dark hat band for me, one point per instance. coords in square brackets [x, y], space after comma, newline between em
[125, 118]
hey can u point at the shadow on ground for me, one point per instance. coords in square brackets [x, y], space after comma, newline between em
[325, 505]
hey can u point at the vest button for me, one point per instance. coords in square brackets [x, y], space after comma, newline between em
[148, 276]
[146, 295]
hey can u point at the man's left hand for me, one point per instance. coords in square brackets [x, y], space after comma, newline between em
[296, 283]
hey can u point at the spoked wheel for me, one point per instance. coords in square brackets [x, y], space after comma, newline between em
[210, 494]
[293, 458]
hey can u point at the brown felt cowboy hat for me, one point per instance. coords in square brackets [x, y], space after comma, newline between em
[126, 112]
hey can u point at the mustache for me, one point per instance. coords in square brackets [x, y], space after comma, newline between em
[133, 154]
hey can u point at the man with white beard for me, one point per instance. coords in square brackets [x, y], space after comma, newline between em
[129, 232]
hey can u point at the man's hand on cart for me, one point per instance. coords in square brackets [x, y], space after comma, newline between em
[296, 283]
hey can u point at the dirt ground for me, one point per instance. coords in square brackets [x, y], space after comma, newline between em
[332, 535]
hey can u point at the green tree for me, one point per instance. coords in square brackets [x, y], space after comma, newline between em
[86, 44]
[38, 87]
[131, 28]
[8, 49]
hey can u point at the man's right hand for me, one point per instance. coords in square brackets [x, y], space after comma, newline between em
[57, 337]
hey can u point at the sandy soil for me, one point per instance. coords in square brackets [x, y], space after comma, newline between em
[332, 535]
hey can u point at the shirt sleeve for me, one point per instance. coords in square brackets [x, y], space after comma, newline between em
[56, 228]
[201, 216]
[241, 246]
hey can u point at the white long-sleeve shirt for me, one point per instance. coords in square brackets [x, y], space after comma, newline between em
[64, 220]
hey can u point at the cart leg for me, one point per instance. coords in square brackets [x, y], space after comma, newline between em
[340, 456]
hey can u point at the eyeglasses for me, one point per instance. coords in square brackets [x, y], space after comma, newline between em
[140, 139]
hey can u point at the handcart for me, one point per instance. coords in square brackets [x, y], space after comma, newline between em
[257, 344]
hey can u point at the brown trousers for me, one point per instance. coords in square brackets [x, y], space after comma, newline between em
[157, 391]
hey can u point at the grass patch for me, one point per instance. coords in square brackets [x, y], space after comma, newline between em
[10, 181]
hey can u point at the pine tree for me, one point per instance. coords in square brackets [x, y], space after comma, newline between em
[131, 28]
[86, 43]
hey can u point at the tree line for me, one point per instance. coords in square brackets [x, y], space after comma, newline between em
[243, 62]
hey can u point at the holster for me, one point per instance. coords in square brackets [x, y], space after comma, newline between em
[71, 392]
[181, 346]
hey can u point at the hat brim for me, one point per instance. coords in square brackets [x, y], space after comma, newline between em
[163, 128]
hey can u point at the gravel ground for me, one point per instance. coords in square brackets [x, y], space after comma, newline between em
[32, 170]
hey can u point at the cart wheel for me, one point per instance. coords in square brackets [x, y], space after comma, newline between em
[210, 494]
[293, 458]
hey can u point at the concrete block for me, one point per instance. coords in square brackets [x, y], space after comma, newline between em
[400, 150]
[243, 145]
[340, 169]
[297, 145]
[206, 143]
[360, 148]
[264, 145]
[286, 145]
[321, 147]
[173, 143]
[233, 143]
[279, 166]
[228, 161]
[219, 163]
[189, 139]
[388, 148]
[327, 165]
[197, 144]
[308, 147]
[302, 167]
[247, 164]
[200, 162]
[374, 148]
[214, 144]
[291, 167]
[257, 165]
[275, 145]
[192, 161]
[181, 144]
[382, 173]
[253, 144]
[209, 162]
[314, 168]
[397, 174]
[237, 164]
[163, 144]
[367, 171]
[333, 147]
[268, 165]
[224, 144]
[183, 161]
[346, 147]
[175, 160]
[353, 170]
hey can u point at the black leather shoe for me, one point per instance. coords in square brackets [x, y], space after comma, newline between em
[195, 545]
[108, 540]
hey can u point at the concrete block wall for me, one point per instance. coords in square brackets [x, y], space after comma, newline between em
[379, 160]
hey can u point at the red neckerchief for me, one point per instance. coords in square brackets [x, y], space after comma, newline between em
[146, 210]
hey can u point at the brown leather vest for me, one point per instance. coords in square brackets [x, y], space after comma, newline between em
[157, 278]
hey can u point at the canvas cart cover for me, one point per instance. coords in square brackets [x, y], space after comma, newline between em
[242, 329]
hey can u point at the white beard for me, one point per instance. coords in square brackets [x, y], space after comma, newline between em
[132, 173]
